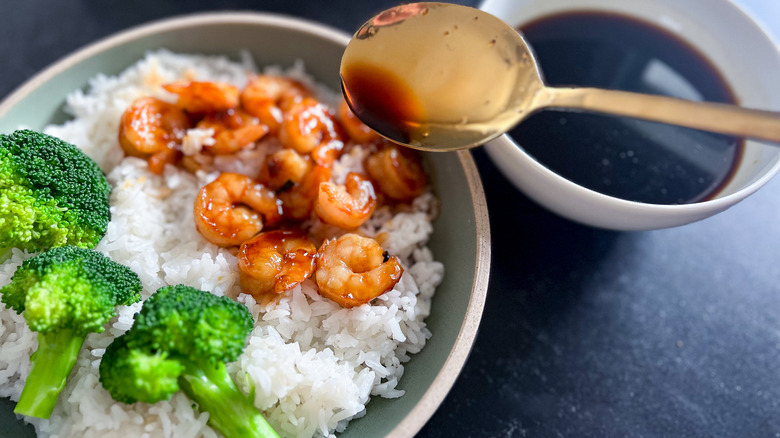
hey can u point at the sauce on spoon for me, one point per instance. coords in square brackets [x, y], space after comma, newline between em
[410, 83]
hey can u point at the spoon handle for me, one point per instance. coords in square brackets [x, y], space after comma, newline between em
[707, 116]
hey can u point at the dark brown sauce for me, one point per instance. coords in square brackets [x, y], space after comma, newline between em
[621, 157]
[381, 100]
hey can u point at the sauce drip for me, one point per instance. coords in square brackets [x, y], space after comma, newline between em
[382, 100]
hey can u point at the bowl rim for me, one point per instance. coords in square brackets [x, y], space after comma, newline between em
[424, 409]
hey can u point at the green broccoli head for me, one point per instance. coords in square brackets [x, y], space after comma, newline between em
[72, 288]
[187, 322]
[51, 193]
[65, 293]
[178, 323]
[181, 341]
[151, 375]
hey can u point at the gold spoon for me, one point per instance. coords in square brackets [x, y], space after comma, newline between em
[439, 76]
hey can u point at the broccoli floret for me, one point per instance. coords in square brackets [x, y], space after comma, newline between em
[65, 293]
[51, 194]
[181, 340]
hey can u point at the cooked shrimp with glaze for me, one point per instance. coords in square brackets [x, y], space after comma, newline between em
[284, 167]
[233, 208]
[310, 127]
[398, 172]
[203, 97]
[275, 261]
[353, 270]
[234, 129]
[346, 206]
[293, 183]
[151, 127]
[298, 199]
[267, 97]
[357, 131]
[158, 160]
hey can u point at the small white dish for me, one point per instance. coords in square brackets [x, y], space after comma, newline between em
[736, 45]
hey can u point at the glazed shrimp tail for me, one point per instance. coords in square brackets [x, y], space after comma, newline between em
[158, 160]
[234, 130]
[346, 206]
[353, 270]
[299, 199]
[203, 97]
[152, 128]
[398, 173]
[284, 166]
[233, 208]
[267, 97]
[309, 127]
[275, 261]
[357, 131]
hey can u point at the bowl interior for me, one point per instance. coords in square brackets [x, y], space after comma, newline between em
[745, 44]
[461, 237]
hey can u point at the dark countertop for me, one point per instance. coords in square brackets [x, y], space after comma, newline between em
[586, 332]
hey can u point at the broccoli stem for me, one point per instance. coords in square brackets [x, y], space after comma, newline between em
[52, 362]
[230, 412]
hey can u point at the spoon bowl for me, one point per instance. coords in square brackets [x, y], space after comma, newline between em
[439, 76]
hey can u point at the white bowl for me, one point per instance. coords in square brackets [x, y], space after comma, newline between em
[737, 46]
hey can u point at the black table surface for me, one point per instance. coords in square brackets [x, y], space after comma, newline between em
[586, 332]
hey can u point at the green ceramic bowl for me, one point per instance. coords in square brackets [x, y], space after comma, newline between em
[461, 239]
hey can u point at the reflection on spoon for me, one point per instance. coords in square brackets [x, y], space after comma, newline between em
[439, 76]
[390, 17]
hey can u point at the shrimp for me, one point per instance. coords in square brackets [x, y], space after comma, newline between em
[353, 270]
[267, 97]
[204, 97]
[398, 173]
[233, 208]
[309, 125]
[151, 127]
[346, 206]
[275, 261]
[284, 166]
[326, 153]
[158, 160]
[234, 129]
[298, 200]
[196, 162]
[358, 131]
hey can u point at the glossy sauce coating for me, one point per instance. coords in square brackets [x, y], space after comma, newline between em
[382, 100]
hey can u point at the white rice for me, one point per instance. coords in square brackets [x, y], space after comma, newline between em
[313, 364]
